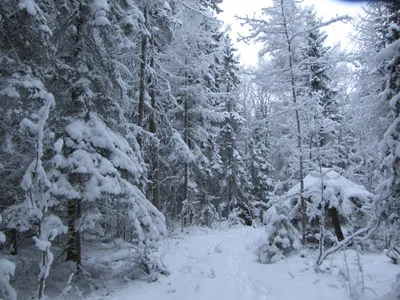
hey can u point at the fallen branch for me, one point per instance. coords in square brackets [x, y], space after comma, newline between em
[343, 243]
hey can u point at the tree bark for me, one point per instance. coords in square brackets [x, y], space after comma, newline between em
[78, 239]
[73, 214]
[154, 165]
[186, 180]
[41, 281]
[74, 236]
[142, 81]
[336, 224]
[71, 245]
[14, 241]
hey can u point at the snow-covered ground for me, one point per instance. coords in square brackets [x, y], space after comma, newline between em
[221, 264]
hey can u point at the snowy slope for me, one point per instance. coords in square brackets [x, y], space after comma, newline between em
[220, 264]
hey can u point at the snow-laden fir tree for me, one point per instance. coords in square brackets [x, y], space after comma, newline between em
[363, 134]
[282, 236]
[194, 116]
[24, 54]
[235, 185]
[338, 201]
[39, 197]
[387, 192]
[259, 148]
[160, 23]
[320, 108]
[101, 171]
[82, 53]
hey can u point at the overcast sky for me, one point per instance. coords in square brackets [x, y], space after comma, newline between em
[327, 9]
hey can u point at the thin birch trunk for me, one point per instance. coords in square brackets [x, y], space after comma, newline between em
[299, 136]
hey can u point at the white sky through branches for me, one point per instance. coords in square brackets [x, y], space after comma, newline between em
[326, 8]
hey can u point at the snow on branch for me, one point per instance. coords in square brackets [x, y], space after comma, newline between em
[322, 24]
[343, 243]
[199, 12]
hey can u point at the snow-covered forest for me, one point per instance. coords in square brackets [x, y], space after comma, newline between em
[140, 160]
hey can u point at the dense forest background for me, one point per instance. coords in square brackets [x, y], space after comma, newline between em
[129, 119]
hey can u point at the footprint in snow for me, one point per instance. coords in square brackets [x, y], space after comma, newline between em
[171, 291]
[211, 274]
[197, 288]
[186, 269]
[331, 285]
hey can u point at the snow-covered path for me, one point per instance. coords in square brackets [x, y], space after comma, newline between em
[217, 264]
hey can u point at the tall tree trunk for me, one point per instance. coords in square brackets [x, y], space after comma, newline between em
[71, 245]
[336, 224]
[14, 241]
[142, 81]
[186, 179]
[230, 153]
[77, 109]
[299, 136]
[41, 281]
[154, 165]
[78, 239]
[74, 236]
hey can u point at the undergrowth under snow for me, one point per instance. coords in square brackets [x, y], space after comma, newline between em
[221, 264]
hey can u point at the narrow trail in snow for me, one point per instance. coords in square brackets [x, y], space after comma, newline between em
[209, 265]
[221, 265]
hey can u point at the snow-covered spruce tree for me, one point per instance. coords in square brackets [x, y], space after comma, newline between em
[387, 192]
[235, 186]
[92, 82]
[320, 111]
[161, 141]
[363, 135]
[273, 112]
[7, 269]
[101, 137]
[34, 212]
[255, 138]
[282, 236]
[108, 170]
[193, 113]
[371, 29]
[384, 209]
[259, 148]
[155, 33]
[160, 22]
[335, 199]
[39, 195]
[24, 56]
[213, 4]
